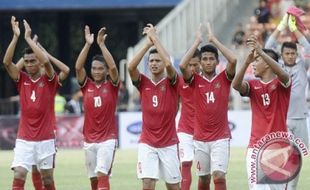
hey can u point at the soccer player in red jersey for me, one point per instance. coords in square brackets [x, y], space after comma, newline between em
[100, 99]
[158, 143]
[210, 97]
[64, 72]
[35, 143]
[269, 96]
[187, 121]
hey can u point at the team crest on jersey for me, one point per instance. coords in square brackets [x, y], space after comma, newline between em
[104, 91]
[162, 87]
[217, 85]
[41, 84]
[273, 86]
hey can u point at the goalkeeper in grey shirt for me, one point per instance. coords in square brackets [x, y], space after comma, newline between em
[297, 67]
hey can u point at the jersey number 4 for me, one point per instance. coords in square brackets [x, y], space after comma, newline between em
[33, 96]
[210, 97]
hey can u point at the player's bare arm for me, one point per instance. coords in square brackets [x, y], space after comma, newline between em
[151, 33]
[275, 67]
[113, 72]
[133, 64]
[49, 70]
[11, 68]
[80, 62]
[238, 83]
[187, 74]
[64, 69]
[232, 60]
[272, 42]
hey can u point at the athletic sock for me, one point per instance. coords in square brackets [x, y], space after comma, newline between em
[148, 189]
[103, 183]
[18, 184]
[220, 184]
[37, 181]
[186, 175]
[50, 186]
[203, 186]
[94, 183]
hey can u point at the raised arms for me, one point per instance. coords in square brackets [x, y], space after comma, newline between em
[113, 72]
[80, 62]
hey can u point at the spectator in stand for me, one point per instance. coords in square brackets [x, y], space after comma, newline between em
[74, 106]
[123, 97]
[238, 37]
[262, 12]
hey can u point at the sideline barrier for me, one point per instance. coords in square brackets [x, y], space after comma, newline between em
[70, 128]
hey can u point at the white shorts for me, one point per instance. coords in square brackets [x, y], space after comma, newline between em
[29, 153]
[255, 186]
[186, 147]
[211, 156]
[99, 157]
[158, 163]
[298, 127]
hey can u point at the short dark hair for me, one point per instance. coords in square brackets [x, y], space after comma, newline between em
[272, 54]
[27, 50]
[291, 45]
[100, 58]
[210, 48]
[153, 51]
[197, 54]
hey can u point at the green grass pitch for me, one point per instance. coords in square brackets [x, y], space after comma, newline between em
[70, 171]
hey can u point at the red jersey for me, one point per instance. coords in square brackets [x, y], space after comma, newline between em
[187, 118]
[37, 119]
[99, 111]
[211, 99]
[269, 103]
[159, 105]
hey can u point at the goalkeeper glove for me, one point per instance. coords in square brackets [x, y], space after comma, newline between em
[292, 23]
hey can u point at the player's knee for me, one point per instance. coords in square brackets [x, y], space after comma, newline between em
[173, 186]
[205, 179]
[20, 173]
[148, 183]
[47, 176]
[47, 179]
[218, 175]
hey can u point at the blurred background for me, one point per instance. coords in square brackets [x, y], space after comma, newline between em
[60, 27]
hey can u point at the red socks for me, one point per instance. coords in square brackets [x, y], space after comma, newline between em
[186, 175]
[103, 183]
[94, 183]
[37, 181]
[148, 189]
[220, 184]
[202, 185]
[18, 184]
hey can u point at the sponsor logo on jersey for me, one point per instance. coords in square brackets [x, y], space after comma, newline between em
[185, 86]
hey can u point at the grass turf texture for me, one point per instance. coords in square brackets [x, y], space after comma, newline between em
[70, 171]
